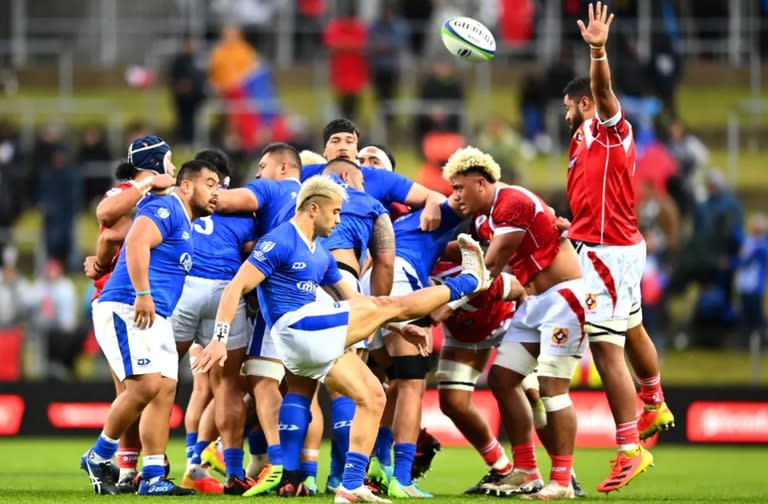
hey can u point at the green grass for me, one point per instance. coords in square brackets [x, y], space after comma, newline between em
[46, 470]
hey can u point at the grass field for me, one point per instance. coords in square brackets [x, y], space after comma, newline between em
[46, 470]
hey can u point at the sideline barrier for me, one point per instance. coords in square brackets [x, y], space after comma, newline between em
[703, 415]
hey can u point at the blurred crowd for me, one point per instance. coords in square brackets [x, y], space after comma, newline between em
[697, 232]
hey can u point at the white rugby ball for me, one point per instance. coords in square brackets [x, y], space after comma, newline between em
[468, 39]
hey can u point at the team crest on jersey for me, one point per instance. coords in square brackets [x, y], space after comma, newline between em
[163, 213]
[591, 301]
[560, 336]
[267, 246]
[186, 261]
[185, 235]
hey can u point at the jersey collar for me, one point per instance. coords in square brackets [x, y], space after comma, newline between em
[310, 246]
[183, 208]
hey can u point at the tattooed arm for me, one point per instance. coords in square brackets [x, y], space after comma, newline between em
[382, 247]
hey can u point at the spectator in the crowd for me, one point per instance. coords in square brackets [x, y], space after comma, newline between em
[692, 156]
[309, 16]
[652, 287]
[665, 69]
[346, 38]
[187, 83]
[13, 290]
[60, 203]
[11, 181]
[95, 163]
[751, 277]
[498, 139]
[232, 61]
[48, 142]
[386, 41]
[710, 259]
[57, 318]
[417, 14]
[533, 104]
[442, 93]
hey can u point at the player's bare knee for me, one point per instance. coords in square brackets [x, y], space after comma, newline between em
[144, 388]
[513, 363]
[454, 403]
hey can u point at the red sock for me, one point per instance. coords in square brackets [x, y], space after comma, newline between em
[127, 458]
[494, 456]
[650, 390]
[561, 469]
[525, 456]
[626, 433]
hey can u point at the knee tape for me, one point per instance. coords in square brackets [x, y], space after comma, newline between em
[408, 367]
[515, 357]
[557, 366]
[264, 368]
[612, 331]
[456, 375]
[635, 316]
[530, 382]
[556, 403]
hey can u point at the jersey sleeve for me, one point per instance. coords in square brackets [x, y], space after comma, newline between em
[512, 213]
[160, 212]
[385, 186]
[332, 274]
[265, 191]
[267, 255]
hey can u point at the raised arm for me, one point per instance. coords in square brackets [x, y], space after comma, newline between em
[596, 35]
[123, 201]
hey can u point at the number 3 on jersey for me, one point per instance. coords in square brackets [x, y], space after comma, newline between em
[204, 225]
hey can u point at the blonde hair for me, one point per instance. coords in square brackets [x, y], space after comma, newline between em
[309, 157]
[468, 158]
[319, 186]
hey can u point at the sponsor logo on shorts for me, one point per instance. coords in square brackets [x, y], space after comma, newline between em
[143, 361]
[267, 246]
[560, 336]
[591, 301]
[299, 265]
[306, 286]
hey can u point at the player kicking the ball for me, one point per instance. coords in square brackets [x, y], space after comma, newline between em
[287, 265]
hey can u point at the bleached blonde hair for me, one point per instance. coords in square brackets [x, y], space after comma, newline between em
[468, 158]
[322, 186]
[309, 157]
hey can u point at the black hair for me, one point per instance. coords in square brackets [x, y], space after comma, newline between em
[283, 148]
[342, 160]
[191, 169]
[387, 152]
[478, 170]
[341, 125]
[216, 157]
[578, 87]
[125, 171]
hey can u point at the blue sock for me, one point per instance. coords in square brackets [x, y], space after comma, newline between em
[257, 442]
[199, 447]
[404, 455]
[153, 468]
[294, 421]
[191, 440]
[337, 461]
[354, 470]
[309, 468]
[275, 454]
[105, 447]
[383, 447]
[233, 459]
[460, 286]
[342, 412]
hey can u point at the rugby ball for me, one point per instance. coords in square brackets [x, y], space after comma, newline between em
[468, 39]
